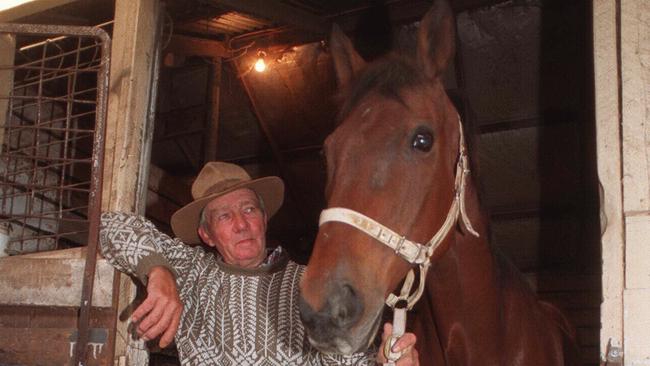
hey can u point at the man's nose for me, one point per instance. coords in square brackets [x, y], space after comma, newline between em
[240, 222]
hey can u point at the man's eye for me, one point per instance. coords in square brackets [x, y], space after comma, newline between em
[223, 217]
[249, 209]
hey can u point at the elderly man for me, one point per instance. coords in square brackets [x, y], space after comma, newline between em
[239, 307]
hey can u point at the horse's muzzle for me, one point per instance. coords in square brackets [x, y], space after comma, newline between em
[329, 328]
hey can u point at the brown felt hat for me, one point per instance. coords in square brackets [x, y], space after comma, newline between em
[216, 179]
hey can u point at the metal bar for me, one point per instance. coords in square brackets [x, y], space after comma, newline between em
[95, 201]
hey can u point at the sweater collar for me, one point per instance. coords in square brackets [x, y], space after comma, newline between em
[276, 260]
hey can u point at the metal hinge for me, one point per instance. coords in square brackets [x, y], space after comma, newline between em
[614, 355]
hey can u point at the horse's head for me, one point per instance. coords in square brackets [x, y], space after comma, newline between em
[393, 158]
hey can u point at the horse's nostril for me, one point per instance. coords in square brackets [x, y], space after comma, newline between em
[342, 309]
[345, 306]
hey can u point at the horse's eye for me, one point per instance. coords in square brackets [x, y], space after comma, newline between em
[422, 141]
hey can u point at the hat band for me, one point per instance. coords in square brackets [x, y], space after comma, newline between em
[220, 187]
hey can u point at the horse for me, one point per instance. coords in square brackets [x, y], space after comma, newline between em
[398, 175]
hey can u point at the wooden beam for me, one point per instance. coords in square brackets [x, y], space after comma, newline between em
[212, 135]
[7, 52]
[135, 37]
[30, 8]
[46, 335]
[279, 12]
[192, 46]
[608, 143]
[634, 83]
[53, 279]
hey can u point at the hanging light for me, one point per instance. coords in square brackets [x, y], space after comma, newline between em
[260, 64]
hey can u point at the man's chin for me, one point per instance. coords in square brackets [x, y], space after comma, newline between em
[250, 259]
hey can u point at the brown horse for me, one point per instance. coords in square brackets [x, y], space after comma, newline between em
[396, 164]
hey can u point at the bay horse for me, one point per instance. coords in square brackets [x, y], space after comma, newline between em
[397, 174]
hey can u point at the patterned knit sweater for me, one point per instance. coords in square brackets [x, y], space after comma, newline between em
[231, 316]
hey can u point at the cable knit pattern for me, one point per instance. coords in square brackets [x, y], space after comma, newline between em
[231, 316]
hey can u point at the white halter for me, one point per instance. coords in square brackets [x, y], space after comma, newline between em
[410, 251]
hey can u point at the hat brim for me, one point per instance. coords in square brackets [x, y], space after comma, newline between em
[185, 221]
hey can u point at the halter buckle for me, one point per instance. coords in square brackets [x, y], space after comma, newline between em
[398, 247]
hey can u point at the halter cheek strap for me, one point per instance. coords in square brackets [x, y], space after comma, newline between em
[411, 251]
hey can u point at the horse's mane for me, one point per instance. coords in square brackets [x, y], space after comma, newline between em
[388, 76]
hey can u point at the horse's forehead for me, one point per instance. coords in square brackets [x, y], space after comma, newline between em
[398, 110]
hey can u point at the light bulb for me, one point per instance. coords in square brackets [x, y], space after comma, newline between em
[260, 65]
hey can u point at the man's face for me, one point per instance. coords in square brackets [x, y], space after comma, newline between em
[236, 226]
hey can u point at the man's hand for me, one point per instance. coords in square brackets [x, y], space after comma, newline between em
[405, 344]
[160, 313]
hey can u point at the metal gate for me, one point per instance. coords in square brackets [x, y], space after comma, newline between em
[52, 135]
[53, 89]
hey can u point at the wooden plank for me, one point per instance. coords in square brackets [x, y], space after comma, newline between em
[51, 346]
[606, 92]
[637, 247]
[637, 327]
[635, 76]
[212, 135]
[30, 8]
[7, 52]
[132, 50]
[132, 64]
[192, 46]
[634, 36]
[39, 280]
[279, 12]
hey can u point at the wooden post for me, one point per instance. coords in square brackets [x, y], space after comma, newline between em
[30, 8]
[212, 137]
[133, 63]
[622, 90]
[634, 36]
[7, 51]
[609, 172]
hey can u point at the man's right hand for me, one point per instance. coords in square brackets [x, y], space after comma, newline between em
[160, 313]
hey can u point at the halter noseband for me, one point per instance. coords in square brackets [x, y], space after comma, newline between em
[411, 251]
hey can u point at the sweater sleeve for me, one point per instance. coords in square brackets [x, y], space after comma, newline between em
[367, 358]
[134, 245]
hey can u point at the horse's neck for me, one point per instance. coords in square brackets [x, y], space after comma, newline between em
[461, 293]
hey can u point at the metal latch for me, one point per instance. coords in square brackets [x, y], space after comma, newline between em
[614, 356]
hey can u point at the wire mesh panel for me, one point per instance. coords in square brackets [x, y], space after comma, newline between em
[52, 111]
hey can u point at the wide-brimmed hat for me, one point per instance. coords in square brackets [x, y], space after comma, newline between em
[216, 179]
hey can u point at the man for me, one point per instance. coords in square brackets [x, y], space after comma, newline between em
[238, 307]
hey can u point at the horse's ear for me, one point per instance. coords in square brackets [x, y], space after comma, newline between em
[436, 39]
[347, 62]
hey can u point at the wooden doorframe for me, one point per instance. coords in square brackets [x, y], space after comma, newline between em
[135, 59]
[622, 98]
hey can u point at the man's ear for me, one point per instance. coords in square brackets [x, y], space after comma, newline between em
[204, 235]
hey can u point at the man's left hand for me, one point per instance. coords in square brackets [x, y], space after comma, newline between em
[405, 344]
